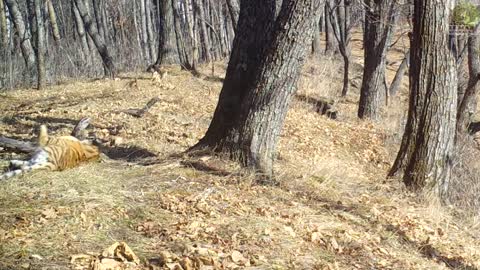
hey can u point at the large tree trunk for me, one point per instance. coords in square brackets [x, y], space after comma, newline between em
[268, 92]
[254, 27]
[379, 25]
[425, 155]
[467, 103]
[40, 45]
[25, 44]
[108, 65]
[167, 49]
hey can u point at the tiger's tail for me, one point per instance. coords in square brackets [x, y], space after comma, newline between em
[43, 136]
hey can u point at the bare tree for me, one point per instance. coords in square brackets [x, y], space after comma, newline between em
[167, 49]
[379, 26]
[397, 80]
[25, 44]
[53, 20]
[339, 12]
[262, 107]
[40, 45]
[108, 65]
[3, 26]
[467, 101]
[200, 11]
[426, 152]
[234, 10]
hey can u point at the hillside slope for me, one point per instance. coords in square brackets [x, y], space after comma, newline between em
[334, 209]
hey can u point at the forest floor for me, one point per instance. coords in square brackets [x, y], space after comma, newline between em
[334, 207]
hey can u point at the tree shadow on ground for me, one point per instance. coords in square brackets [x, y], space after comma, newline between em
[129, 153]
[425, 248]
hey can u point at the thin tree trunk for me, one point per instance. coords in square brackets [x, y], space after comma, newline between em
[108, 65]
[97, 9]
[40, 46]
[234, 10]
[426, 153]
[190, 23]
[32, 23]
[81, 33]
[138, 32]
[198, 5]
[151, 37]
[53, 20]
[316, 40]
[340, 20]
[397, 80]
[3, 26]
[331, 46]
[25, 44]
[379, 24]
[181, 45]
[467, 104]
[143, 22]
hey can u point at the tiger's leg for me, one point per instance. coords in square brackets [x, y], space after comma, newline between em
[27, 168]
[15, 164]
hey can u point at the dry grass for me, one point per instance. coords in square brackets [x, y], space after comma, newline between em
[334, 209]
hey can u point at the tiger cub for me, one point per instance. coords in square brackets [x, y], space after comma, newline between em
[55, 154]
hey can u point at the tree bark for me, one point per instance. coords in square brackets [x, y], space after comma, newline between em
[108, 65]
[81, 33]
[339, 13]
[3, 26]
[425, 155]
[397, 80]
[331, 46]
[234, 10]
[167, 49]
[53, 20]
[264, 100]
[143, 22]
[41, 73]
[151, 37]
[198, 5]
[379, 24]
[316, 40]
[254, 26]
[467, 103]
[25, 44]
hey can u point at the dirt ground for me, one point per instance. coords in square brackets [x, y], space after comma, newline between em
[333, 209]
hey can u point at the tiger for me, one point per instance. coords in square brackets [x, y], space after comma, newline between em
[54, 154]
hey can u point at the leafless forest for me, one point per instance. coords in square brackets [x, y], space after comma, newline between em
[239, 134]
[79, 36]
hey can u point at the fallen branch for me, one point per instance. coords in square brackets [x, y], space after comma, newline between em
[140, 112]
[21, 146]
[29, 147]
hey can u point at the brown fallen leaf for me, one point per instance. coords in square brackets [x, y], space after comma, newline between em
[49, 213]
[121, 251]
[238, 258]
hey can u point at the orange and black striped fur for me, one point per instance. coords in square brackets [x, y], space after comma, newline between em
[55, 154]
